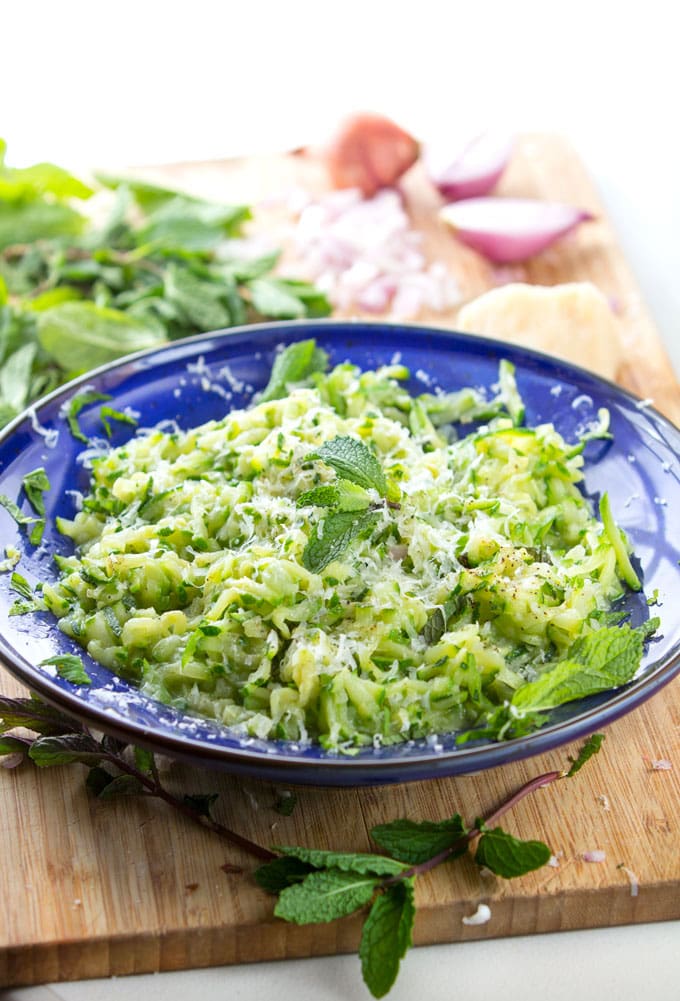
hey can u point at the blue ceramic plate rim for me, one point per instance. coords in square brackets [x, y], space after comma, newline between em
[313, 765]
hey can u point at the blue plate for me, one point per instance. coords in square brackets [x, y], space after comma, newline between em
[187, 382]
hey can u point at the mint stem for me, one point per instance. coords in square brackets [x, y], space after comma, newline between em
[154, 786]
[531, 786]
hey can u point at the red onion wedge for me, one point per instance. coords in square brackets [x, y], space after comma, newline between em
[506, 230]
[474, 169]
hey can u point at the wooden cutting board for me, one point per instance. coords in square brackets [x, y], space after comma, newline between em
[90, 888]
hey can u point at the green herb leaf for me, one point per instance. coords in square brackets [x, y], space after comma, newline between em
[19, 584]
[76, 404]
[201, 802]
[343, 495]
[597, 662]
[386, 937]
[591, 747]
[285, 803]
[35, 484]
[362, 862]
[293, 365]
[15, 511]
[70, 667]
[325, 896]
[508, 856]
[13, 745]
[64, 750]
[336, 532]
[271, 298]
[15, 377]
[35, 715]
[82, 335]
[121, 785]
[415, 842]
[36, 533]
[107, 414]
[97, 780]
[144, 760]
[352, 460]
[26, 222]
[276, 875]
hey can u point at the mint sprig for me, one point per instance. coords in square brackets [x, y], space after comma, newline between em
[604, 659]
[312, 885]
[69, 666]
[295, 364]
[354, 461]
[333, 535]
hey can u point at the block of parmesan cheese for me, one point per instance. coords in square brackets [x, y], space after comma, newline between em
[572, 321]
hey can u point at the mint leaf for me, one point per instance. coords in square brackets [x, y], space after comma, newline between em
[415, 842]
[353, 461]
[35, 484]
[325, 896]
[36, 533]
[285, 803]
[386, 937]
[144, 760]
[76, 404]
[97, 780]
[618, 541]
[107, 414]
[19, 584]
[15, 511]
[70, 667]
[201, 802]
[591, 747]
[508, 856]
[34, 715]
[327, 495]
[295, 364]
[334, 535]
[121, 785]
[82, 335]
[280, 873]
[602, 660]
[271, 298]
[13, 745]
[343, 495]
[361, 862]
[49, 751]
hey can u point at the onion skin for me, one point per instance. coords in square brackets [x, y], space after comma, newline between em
[475, 171]
[508, 230]
[369, 152]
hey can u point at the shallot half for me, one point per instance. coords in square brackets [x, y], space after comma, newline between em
[474, 169]
[506, 230]
[369, 152]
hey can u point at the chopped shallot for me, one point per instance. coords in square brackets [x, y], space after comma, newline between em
[506, 230]
[595, 855]
[661, 765]
[365, 255]
[480, 917]
[632, 879]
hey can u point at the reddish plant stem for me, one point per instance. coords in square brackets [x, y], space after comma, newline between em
[154, 787]
[531, 786]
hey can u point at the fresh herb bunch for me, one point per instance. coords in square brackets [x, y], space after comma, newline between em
[312, 885]
[75, 295]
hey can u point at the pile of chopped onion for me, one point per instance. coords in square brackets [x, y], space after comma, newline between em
[363, 253]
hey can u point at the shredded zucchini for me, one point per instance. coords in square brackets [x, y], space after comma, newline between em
[475, 566]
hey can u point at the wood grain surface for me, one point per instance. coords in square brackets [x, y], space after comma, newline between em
[91, 888]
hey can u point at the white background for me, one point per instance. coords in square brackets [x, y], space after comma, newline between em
[106, 84]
